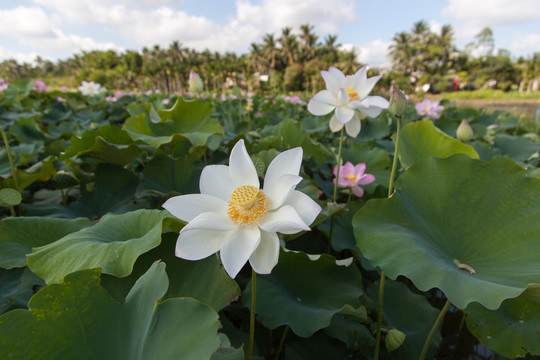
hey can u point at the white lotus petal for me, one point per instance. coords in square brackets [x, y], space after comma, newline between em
[363, 88]
[284, 220]
[349, 82]
[210, 221]
[241, 167]
[337, 74]
[378, 101]
[216, 181]
[238, 247]
[197, 244]
[304, 206]
[280, 189]
[344, 114]
[372, 111]
[333, 83]
[353, 127]
[343, 96]
[266, 255]
[187, 207]
[322, 103]
[287, 162]
[335, 125]
[358, 104]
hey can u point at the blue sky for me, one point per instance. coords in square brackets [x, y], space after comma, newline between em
[56, 29]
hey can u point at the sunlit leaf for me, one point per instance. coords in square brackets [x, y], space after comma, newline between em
[78, 320]
[422, 140]
[114, 244]
[466, 226]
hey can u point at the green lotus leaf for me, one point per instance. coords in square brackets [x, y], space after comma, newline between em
[17, 287]
[289, 134]
[78, 320]
[108, 144]
[518, 148]
[304, 293]
[468, 227]
[113, 188]
[165, 175]
[19, 235]
[511, 330]
[204, 280]
[40, 171]
[189, 119]
[113, 244]
[421, 140]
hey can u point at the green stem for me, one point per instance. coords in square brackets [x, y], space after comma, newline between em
[394, 162]
[379, 317]
[338, 163]
[335, 189]
[252, 313]
[434, 329]
[6, 143]
[381, 284]
[281, 342]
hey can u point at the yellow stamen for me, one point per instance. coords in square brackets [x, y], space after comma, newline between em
[353, 95]
[247, 205]
[351, 177]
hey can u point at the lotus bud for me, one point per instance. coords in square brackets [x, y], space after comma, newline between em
[398, 102]
[195, 83]
[464, 131]
[394, 339]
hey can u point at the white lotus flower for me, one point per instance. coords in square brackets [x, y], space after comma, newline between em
[234, 216]
[347, 95]
[90, 88]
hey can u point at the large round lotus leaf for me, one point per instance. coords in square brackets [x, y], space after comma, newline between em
[305, 293]
[204, 280]
[512, 330]
[78, 320]
[421, 140]
[19, 235]
[450, 218]
[113, 244]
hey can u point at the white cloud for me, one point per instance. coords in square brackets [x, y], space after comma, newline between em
[276, 14]
[162, 25]
[18, 56]
[482, 13]
[526, 43]
[373, 53]
[25, 21]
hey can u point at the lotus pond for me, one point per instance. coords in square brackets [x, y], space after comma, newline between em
[87, 252]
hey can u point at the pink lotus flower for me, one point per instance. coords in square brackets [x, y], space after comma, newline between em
[352, 176]
[166, 101]
[429, 108]
[39, 86]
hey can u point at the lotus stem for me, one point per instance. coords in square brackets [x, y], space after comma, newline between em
[252, 314]
[433, 330]
[335, 189]
[6, 143]
[282, 341]
[381, 284]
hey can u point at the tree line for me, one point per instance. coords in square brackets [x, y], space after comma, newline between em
[421, 59]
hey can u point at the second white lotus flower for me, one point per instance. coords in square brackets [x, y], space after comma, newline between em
[234, 216]
[347, 95]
